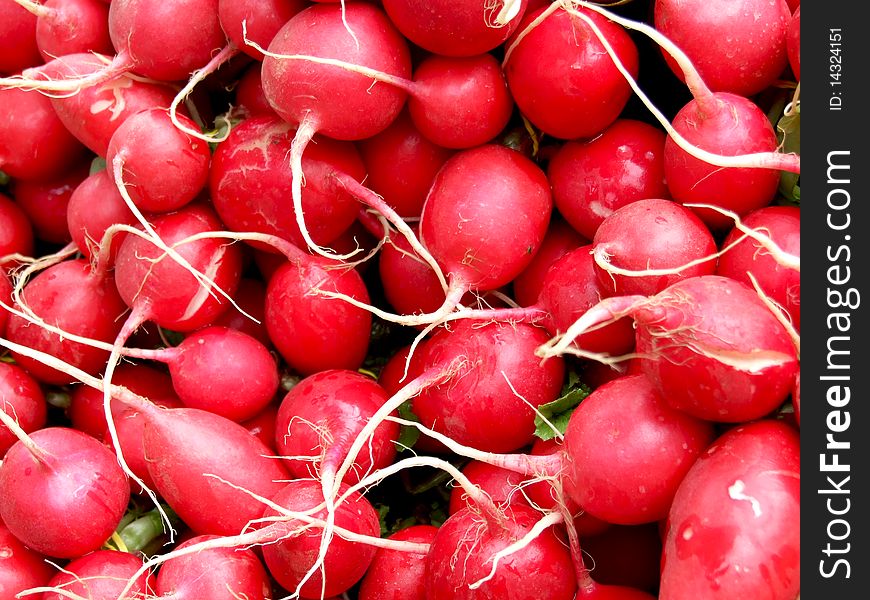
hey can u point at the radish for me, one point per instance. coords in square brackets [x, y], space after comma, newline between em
[793, 43]
[75, 300]
[46, 203]
[250, 98]
[18, 48]
[593, 178]
[35, 144]
[776, 275]
[627, 451]
[561, 238]
[628, 555]
[262, 21]
[726, 124]
[139, 147]
[20, 567]
[503, 486]
[251, 189]
[559, 99]
[733, 529]
[94, 206]
[290, 557]
[458, 28]
[69, 27]
[709, 344]
[262, 426]
[649, 244]
[16, 234]
[459, 102]
[22, 398]
[99, 575]
[62, 492]
[737, 47]
[500, 379]
[401, 164]
[395, 575]
[213, 573]
[465, 559]
[250, 298]
[320, 417]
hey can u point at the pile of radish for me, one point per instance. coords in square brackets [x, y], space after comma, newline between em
[442, 299]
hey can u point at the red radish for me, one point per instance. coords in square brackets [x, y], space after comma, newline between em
[410, 285]
[22, 398]
[262, 20]
[69, 27]
[85, 410]
[396, 575]
[561, 238]
[593, 178]
[35, 144]
[647, 245]
[6, 298]
[16, 231]
[140, 145]
[501, 379]
[20, 567]
[627, 451]
[559, 99]
[793, 43]
[289, 558]
[460, 102]
[709, 344]
[250, 183]
[733, 529]
[456, 28]
[213, 573]
[100, 575]
[464, 550]
[93, 114]
[320, 417]
[402, 164]
[18, 48]
[262, 426]
[570, 288]
[310, 331]
[737, 47]
[75, 299]
[62, 492]
[728, 125]
[778, 279]
[141, 31]
[166, 292]
[94, 206]
[502, 485]
[46, 203]
[484, 236]
[796, 398]
[249, 93]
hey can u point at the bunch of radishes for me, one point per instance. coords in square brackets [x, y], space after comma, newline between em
[404, 299]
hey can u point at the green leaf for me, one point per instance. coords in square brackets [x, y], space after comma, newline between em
[97, 165]
[408, 435]
[788, 131]
[558, 412]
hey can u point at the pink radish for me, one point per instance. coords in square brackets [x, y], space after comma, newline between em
[593, 178]
[647, 245]
[22, 398]
[100, 575]
[77, 300]
[559, 99]
[140, 145]
[36, 144]
[20, 567]
[402, 164]
[321, 416]
[733, 529]
[213, 573]
[458, 28]
[396, 575]
[62, 492]
[737, 47]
